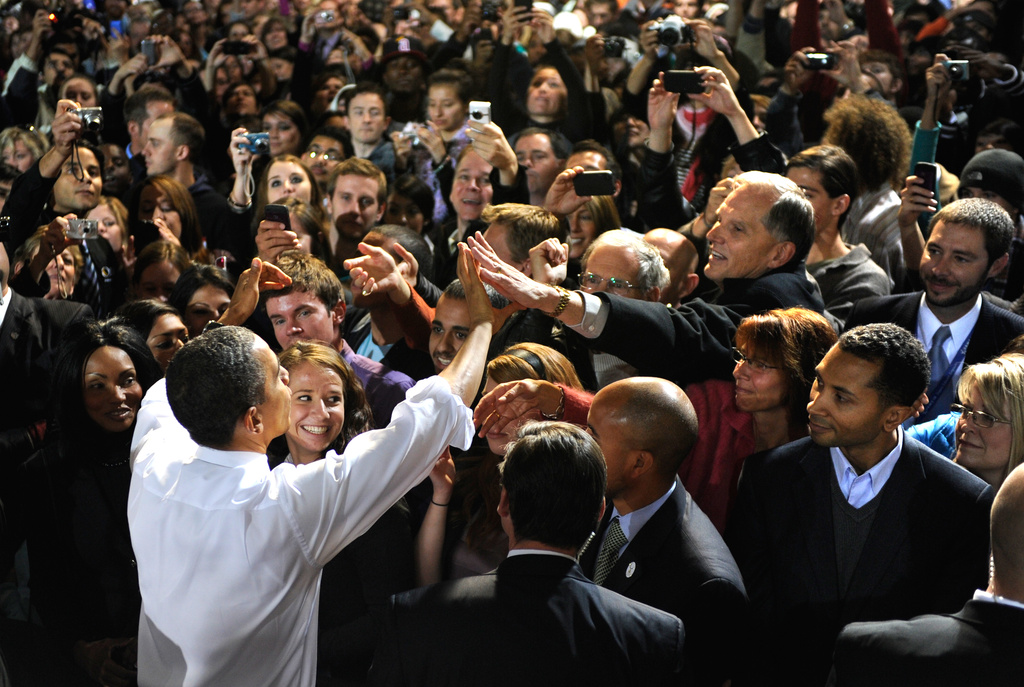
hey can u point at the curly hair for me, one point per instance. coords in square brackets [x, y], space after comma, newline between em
[905, 369]
[874, 134]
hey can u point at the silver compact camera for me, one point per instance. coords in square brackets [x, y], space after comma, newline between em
[92, 117]
[83, 229]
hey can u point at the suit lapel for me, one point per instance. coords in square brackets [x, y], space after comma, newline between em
[905, 312]
[813, 503]
[889, 530]
[588, 556]
[14, 325]
[981, 348]
[631, 565]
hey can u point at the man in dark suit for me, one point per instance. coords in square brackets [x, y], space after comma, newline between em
[670, 556]
[980, 645]
[859, 521]
[30, 329]
[758, 246]
[967, 246]
[536, 619]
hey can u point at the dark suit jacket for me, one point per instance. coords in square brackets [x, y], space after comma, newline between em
[996, 327]
[980, 645]
[679, 563]
[926, 552]
[693, 342]
[28, 341]
[536, 620]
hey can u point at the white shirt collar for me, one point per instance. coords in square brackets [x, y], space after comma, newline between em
[5, 303]
[632, 522]
[876, 477]
[960, 330]
[982, 595]
[537, 552]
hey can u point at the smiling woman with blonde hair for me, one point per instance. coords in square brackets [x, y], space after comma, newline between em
[990, 429]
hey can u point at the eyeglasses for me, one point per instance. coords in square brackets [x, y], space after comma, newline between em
[983, 420]
[757, 365]
[591, 281]
[329, 155]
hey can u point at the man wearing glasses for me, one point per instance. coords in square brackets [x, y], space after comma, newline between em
[327, 147]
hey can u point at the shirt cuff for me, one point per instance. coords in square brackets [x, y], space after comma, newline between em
[595, 316]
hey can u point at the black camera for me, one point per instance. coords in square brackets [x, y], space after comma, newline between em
[489, 11]
[613, 46]
[92, 117]
[400, 13]
[259, 144]
[672, 31]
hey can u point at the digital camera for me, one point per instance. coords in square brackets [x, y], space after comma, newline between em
[83, 229]
[92, 117]
[259, 144]
[672, 31]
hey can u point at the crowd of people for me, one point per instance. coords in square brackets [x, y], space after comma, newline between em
[305, 308]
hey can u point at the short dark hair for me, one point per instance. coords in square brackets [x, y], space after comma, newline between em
[136, 104]
[837, 169]
[458, 79]
[591, 146]
[188, 131]
[977, 213]
[290, 110]
[213, 381]
[80, 341]
[142, 314]
[560, 145]
[309, 274]
[364, 87]
[555, 477]
[194, 278]
[456, 291]
[336, 133]
[409, 240]
[905, 369]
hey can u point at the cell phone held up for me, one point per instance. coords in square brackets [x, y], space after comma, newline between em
[927, 174]
[480, 112]
[277, 213]
[600, 183]
[236, 48]
[683, 81]
[820, 61]
[149, 49]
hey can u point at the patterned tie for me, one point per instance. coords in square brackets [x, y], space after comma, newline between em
[89, 283]
[938, 403]
[609, 554]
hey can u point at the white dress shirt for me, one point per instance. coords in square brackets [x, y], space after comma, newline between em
[858, 489]
[960, 331]
[230, 552]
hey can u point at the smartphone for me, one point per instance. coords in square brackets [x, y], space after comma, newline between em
[278, 213]
[148, 48]
[683, 81]
[820, 61]
[236, 48]
[480, 111]
[528, 4]
[145, 233]
[928, 176]
[600, 183]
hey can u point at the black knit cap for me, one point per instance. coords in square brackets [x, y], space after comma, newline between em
[999, 171]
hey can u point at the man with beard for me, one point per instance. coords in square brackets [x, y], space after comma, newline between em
[967, 246]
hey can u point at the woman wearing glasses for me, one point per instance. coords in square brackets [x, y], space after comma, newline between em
[763, 407]
[990, 427]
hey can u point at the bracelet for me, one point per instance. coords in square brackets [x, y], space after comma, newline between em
[236, 208]
[442, 505]
[563, 301]
[559, 411]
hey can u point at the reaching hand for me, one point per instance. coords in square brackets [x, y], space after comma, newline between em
[261, 276]
[719, 95]
[272, 239]
[376, 270]
[480, 311]
[509, 281]
[561, 198]
[509, 402]
[549, 261]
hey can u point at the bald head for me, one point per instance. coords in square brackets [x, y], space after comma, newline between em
[1007, 528]
[680, 256]
[652, 415]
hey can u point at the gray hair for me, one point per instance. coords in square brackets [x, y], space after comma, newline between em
[652, 272]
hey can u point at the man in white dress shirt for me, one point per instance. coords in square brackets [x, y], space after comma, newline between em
[230, 552]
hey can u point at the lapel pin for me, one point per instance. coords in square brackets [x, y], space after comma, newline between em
[630, 569]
